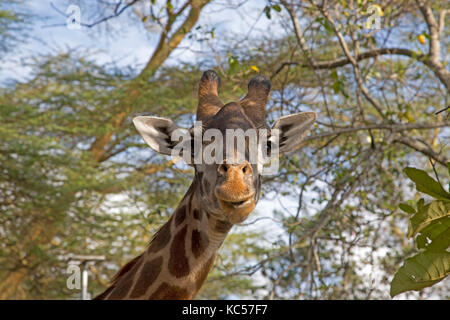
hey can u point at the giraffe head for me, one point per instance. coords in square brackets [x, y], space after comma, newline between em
[229, 185]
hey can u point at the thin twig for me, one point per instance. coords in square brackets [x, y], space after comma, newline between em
[434, 170]
[442, 110]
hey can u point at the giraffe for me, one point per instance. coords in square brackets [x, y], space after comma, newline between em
[182, 252]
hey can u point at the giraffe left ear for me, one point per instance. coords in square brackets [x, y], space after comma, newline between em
[293, 129]
[157, 132]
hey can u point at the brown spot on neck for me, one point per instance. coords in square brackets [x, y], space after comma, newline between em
[199, 242]
[122, 287]
[197, 214]
[178, 262]
[125, 269]
[180, 215]
[149, 273]
[161, 238]
[118, 283]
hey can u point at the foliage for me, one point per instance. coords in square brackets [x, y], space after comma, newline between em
[430, 227]
[48, 208]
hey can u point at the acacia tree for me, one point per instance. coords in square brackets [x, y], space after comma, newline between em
[374, 99]
[106, 99]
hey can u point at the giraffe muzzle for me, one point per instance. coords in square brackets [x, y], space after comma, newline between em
[237, 211]
[241, 203]
[232, 201]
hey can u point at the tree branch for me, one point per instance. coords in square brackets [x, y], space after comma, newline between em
[134, 87]
[353, 61]
[434, 52]
[331, 64]
[381, 126]
[311, 63]
[442, 15]
[422, 148]
[117, 12]
[431, 60]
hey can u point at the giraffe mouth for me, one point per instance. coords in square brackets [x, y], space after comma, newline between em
[237, 204]
[237, 211]
[240, 203]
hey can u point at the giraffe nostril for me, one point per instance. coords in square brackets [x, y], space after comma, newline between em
[246, 169]
[223, 168]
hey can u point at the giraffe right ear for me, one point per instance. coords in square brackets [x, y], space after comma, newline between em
[293, 129]
[157, 132]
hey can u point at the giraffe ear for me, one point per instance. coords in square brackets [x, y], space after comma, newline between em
[157, 132]
[292, 129]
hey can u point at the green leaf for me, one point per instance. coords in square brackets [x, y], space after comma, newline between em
[267, 12]
[421, 242]
[436, 236]
[337, 86]
[276, 7]
[429, 214]
[421, 271]
[426, 184]
[407, 208]
[420, 204]
[328, 26]
[334, 74]
[234, 64]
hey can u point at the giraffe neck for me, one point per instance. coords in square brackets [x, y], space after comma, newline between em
[178, 259]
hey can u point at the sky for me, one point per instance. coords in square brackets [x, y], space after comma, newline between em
[132, 46]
